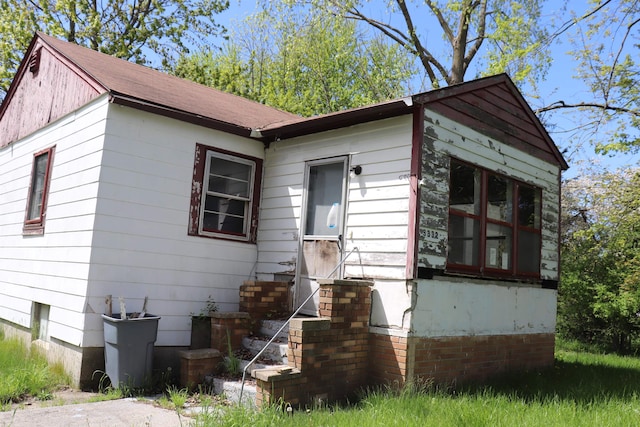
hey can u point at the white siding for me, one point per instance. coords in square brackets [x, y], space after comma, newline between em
[141, 247]
[53, 268]
[445, 138]
[377, 205]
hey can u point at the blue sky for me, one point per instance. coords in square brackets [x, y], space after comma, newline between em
[559, 85]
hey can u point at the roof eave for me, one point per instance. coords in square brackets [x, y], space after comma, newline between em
[337, 120]
[185, 116]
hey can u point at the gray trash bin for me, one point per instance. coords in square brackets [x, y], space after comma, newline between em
[128, 348]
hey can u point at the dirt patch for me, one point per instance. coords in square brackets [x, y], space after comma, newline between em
[63, 396]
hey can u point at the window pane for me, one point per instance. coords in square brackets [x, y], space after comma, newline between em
[464, 238]
[211, 221]
[324, 189]
[464, 193]
[228, 177]
[37, 186]
[529, 206]
[223, 214]
[500, 199]
[498, 249]
[528, 252]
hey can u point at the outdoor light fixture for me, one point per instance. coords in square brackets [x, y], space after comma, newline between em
[356, 170]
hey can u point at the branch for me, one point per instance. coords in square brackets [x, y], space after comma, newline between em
[391, 32]
[615, 62]
[425, 57]
[481, 34]
[399, 37]
[570, 23]
[443, 23]
[605, 107]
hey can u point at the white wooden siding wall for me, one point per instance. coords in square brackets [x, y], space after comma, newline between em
[141, 247]
[51, 269]
[445, 138]
[377, 206]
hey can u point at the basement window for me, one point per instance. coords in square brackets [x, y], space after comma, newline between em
[223, 198]
[494, 224]
[38, 192]
[40, 322]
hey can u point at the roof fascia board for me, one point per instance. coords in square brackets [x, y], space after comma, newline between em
[338, 120]
[162, 110]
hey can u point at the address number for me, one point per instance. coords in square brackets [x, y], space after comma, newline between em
[431, 234]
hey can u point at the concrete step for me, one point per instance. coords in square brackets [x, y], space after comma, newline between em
[275, 352]
[268, 328]
[230, 389]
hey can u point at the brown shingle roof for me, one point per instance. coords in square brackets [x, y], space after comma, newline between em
[143, 88]
[138, 84]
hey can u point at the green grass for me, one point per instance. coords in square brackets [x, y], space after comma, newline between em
[582, 389]
[25, 372]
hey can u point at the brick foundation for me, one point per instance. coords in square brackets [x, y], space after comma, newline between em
[388, 359]
[475, 358]
[448, 360]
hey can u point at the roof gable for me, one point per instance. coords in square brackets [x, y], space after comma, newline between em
[83, 74]
[494, 107]
[46, 87]
[133, 84]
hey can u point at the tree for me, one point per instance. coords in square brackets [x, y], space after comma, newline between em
[307, 64]
[129, 29]
[605, 42]
[507, 36]
[599, 292]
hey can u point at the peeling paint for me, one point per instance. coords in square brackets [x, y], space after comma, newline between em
[434, 202]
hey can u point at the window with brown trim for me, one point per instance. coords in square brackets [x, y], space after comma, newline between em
[494, 223]
[224, 194]
[38, 192]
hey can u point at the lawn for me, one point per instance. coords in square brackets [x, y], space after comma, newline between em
[582, 389]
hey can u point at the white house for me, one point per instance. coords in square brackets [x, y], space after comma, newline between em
[119, 180]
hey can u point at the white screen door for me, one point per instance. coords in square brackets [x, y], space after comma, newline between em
[322, 227]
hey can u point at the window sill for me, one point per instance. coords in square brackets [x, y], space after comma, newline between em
[537, 282]
[33, 230]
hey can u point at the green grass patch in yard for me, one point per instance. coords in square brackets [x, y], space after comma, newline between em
[25, 372]
[582, 389]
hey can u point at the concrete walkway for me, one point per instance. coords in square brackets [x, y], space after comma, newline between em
[113, 413]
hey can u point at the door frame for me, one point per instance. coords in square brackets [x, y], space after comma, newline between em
[303, 236]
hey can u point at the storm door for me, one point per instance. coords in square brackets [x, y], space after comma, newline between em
[322, 224]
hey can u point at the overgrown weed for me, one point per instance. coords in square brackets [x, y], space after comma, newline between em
[26, 372]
